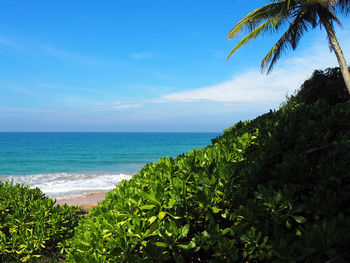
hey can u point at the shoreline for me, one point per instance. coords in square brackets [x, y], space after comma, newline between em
[70, 186]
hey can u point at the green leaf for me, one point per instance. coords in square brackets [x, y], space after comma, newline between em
[300, 219]
[147, 207]
[171, 203]
[161, 215]
[226, 231]
[216, 209]
[161, 244]
[298, 233]
[189, 246]
[288, 224]
[185, 230]
[152, 219]
[149, 197]
[144, 243]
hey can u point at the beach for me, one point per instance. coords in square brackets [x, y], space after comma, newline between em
[87, 201]
[84, 200]
[76, 167]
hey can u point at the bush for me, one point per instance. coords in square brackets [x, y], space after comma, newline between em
[328, 84]
[275, 189]
[30, 225]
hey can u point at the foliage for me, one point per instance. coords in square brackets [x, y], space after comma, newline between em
[296, 16]
[275, 189]
[31, 227]
[327, 84]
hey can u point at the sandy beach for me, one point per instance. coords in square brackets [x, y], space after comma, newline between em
[86, 201]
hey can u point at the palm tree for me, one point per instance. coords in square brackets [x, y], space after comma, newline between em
[298, 16]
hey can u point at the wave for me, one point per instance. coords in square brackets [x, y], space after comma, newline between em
[67, 185]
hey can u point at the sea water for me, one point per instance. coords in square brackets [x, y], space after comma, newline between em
[73, 164]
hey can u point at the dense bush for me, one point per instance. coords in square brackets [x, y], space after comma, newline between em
[30, 225]
[275, 189]
[324, 84]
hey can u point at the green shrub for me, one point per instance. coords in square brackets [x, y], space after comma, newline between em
[324, 84]
[30, 225]
[275, 189]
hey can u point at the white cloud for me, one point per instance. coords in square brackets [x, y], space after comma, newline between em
[141, 55]
[24, 91]
[52, 86]
[255, 87]
[7, 43]
[103, 103]
[127, 106]
[250, 86]
[15, 109]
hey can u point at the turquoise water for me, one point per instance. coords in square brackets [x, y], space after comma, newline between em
[77, 163]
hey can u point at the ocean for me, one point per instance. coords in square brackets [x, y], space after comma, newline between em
[68, 164]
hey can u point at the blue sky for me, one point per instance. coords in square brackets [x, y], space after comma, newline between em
[141, 66]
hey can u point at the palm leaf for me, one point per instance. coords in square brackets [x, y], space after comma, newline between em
[343, 5]
[254, 18]
[270, 25]
[328, 13]
[302, 14]
[290, 38]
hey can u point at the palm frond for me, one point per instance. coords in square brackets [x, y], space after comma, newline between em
[254, 18]
[290, 38]
[344, 5]
[301, 15]
[270, 25]
[328, 13]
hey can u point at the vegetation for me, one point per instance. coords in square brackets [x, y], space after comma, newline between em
[31, 227]
[298, 16]
[327, 84]
[274, 189]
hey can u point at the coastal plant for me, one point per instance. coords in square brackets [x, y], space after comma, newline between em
[274, 189]
[31, 227]
[327, 84]
[297, 17]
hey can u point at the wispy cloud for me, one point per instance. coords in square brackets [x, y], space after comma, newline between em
[93, 105]
[15, 109]
[104, 103]
[220, 54]
[141, 55]
[10, 48]
[24, 91]
[52, 86]
[127, 106]
[252, 86]
[6, 43]
[71, 56]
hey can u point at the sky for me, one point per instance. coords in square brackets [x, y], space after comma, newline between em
[142, 66]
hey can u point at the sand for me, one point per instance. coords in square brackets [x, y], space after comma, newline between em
[86, 201]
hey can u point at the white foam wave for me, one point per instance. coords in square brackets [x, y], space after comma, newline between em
[66, 185]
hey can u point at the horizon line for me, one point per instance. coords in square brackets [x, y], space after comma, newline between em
[111, 131]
